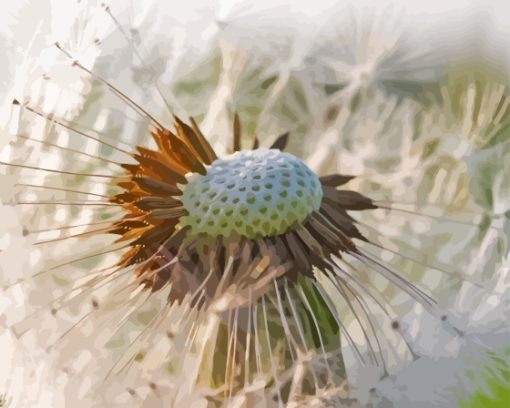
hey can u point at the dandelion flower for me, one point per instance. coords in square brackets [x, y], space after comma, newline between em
[178, 261]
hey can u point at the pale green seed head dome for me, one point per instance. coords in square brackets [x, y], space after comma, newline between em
[261, 192]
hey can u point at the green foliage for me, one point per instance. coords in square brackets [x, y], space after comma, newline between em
[494, 391]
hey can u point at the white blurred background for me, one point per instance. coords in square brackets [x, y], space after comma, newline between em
[382, 59]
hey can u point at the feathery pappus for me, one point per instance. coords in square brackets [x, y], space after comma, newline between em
[244, 275]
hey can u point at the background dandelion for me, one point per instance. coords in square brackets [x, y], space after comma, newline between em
[384, 92]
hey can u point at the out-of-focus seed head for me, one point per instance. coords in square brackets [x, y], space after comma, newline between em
[261, 192]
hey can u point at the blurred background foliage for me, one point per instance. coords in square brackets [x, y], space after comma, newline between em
[418, 108]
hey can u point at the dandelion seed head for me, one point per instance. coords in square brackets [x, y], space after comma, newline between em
[261, 192]
[247, 300]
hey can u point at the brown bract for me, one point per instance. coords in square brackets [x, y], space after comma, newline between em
[227, 270]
